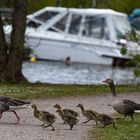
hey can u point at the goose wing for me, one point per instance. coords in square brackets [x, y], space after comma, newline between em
[70, 119]
[71, 112]
[12, 102]
[4, 99]
[45, 113]
[131, 103]
[91, 113]
[123, 108]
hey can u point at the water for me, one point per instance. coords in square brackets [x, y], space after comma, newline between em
[58, 72]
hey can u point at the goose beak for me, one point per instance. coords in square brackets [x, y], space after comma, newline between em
[105, 82]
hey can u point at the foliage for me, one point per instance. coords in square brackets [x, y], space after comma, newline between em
[125, 130]
[135, 62]
[123, 50]
[132, 36]
[123, 6]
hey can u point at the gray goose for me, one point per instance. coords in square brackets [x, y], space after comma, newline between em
[10, 105]
[44, 116]
[89, 114]
[125, 107]
[68, 119]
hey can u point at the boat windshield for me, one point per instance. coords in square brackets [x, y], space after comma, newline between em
[45, 16]
[75, 24]
[41, 18]
[60, 25]
[95, 27]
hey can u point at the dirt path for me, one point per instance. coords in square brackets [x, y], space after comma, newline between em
[30, 129]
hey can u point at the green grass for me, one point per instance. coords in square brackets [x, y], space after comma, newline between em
[125, 130]
[39, 91]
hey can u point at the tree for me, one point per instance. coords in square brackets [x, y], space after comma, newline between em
[11, 56]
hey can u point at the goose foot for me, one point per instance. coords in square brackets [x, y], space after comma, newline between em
[86, 121]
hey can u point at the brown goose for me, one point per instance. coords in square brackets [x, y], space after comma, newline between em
[89, 114]
[125, 107]
[68, 119]
[47, 118]
[10, 105]
[105, 119]
[66, 111]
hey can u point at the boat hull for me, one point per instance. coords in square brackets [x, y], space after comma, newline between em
[49, 49]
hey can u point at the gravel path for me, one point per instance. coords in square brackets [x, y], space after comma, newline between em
[30, 129]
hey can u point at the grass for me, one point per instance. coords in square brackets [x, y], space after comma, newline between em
[125, 130]
[41, 91]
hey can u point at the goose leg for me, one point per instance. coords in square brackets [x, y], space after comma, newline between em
[52, 128]
[96, 122]
[42, 124]
[71, 126]
[114, 125]
[48, 126]
[18, 119]
[86, 121]
[104, 125]
[133, 122]
[1, 114]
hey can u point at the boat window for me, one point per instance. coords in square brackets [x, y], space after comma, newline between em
[61, 24]
[75, 24]
[46, 15]
[95, 27]
[33, 24]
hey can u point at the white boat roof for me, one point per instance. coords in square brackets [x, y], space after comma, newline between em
[89, 11]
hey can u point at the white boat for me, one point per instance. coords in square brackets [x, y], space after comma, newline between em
[83, 35]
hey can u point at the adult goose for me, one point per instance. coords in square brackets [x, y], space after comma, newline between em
[124, 106]
[11, 105]
[44, 116]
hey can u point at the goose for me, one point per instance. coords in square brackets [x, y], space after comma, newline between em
[68, 119]
[125, 107]
[66, 111]
[89, 114]
[105, 119]
[8, 104]
[46, 117]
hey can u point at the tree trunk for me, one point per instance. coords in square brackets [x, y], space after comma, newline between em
[13, 71]
[3, 49]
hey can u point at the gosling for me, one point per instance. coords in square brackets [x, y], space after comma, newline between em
[105, 120]
[47, 118]
[68, 119]
[66, 111]
[89, 114]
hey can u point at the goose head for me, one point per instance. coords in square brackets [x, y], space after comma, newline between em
[34, 106]
[80, 105]
[57, 106]
[110, 82]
